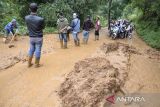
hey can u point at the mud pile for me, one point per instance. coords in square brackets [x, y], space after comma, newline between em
[125, 48]
[92, 79]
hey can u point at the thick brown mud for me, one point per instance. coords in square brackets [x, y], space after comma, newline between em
[99, 68]
[94, 78]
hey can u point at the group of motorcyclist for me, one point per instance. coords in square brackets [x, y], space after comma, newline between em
[121, 29]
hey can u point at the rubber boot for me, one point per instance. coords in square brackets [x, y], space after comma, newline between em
[65, 45]
[30, 61]
[78, 43]
[84, 41]
[97, 37]
[37, 60]
[61, 43]
[68, 38]
[75, 42]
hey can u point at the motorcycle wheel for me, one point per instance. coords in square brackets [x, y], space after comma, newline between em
[114, 36]
[122, 35]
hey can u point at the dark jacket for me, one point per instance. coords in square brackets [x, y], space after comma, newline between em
[87, 25]
[35, 25]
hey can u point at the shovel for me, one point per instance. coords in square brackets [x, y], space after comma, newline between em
[11, 45]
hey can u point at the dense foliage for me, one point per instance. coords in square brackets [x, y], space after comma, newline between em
[144, 13]
[48, 9]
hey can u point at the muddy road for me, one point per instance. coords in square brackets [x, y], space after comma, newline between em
[30, 87]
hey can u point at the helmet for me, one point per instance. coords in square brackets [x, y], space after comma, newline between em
[74, 15]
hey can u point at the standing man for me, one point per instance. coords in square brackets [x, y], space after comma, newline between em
[75, 24]
[62, 24]
[9, 29]
[97, 28]
[87, 25]
[35, 25]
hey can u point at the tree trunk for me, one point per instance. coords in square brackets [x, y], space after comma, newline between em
[109, 12]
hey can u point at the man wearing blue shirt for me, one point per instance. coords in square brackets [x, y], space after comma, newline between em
[9, 29]
[75, 24]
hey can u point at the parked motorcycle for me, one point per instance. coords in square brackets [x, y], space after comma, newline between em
[121, 29]
[115, 32]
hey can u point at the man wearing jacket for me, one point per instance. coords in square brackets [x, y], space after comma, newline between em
[87, 25]
[35, 25]
[62, 24]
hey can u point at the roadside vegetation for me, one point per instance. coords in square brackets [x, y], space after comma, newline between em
[145, 14]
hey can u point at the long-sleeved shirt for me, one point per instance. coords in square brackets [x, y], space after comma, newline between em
[62, 24]
[9, 27]
[87, 25]
[75, 24]
[35, 25]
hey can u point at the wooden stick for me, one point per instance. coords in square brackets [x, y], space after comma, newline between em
[13, 36]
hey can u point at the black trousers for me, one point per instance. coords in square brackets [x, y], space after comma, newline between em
[97, 33]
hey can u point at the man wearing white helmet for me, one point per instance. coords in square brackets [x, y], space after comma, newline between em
[75, 24]
[9, 29]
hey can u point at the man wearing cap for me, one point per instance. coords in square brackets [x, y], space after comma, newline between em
[35, 25]
[75, 24]
[9, 29]
[62, 24]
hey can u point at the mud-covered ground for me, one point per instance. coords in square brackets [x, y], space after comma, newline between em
[10, 56]
[78, 76]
